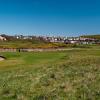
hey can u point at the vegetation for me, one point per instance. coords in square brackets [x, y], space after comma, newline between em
[34, 44]
[64, 75]
[30, 44]
[13, 42]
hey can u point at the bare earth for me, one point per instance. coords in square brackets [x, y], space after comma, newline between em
[1, 58]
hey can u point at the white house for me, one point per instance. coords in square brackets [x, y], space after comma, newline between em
[2, 38]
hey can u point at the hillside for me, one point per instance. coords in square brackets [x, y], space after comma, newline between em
[91, 36]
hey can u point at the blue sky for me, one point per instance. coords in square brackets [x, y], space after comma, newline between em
[50, 17]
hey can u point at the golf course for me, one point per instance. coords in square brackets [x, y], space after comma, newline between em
[51, 75]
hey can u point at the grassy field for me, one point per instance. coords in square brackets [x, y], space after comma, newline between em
[63, 75]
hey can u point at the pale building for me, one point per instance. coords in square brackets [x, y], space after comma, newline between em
[2, 38]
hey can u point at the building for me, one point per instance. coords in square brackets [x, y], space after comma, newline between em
[2, 38]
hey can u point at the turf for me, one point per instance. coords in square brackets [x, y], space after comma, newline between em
[60, 75]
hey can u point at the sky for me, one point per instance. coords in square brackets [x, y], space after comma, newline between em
[50, 17]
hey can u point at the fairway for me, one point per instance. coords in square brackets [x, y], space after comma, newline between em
[56, 75]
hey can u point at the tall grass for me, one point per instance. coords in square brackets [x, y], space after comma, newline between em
[64, 75]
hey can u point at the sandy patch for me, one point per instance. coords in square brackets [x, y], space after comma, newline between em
[2, 58]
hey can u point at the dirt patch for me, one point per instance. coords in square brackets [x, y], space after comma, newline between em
[2, 58]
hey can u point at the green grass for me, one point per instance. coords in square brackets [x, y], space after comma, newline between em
[63, 75]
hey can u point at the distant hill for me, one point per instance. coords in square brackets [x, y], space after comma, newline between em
[91, 36]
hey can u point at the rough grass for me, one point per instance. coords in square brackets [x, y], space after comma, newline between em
[40, 44]
[65, 75]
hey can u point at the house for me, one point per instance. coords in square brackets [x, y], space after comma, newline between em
[2, 38]
[88, 41]
[80, 40]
